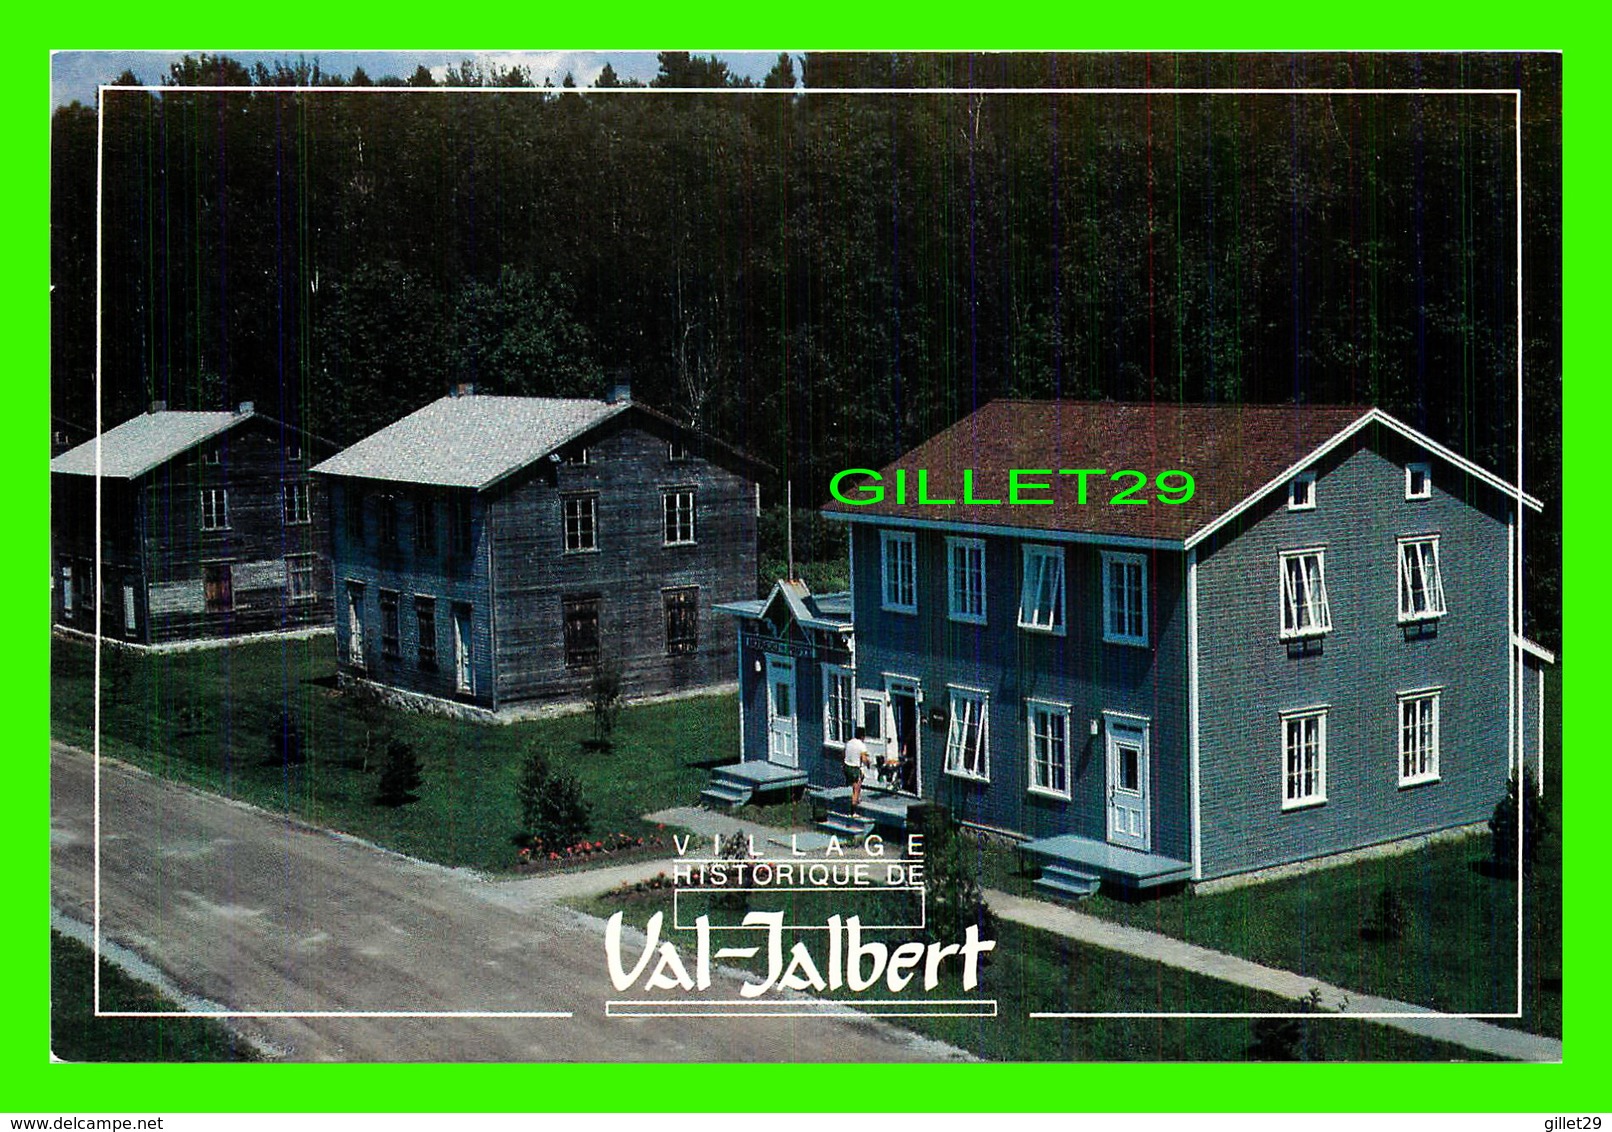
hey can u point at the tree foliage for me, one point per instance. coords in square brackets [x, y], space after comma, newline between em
[553, 809]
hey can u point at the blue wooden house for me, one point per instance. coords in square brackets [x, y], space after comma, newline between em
[494, 551]
[1316, 652]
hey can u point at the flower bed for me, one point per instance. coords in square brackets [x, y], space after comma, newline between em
[537, 856]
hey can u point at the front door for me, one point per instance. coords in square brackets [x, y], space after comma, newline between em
[355, 624]
[902, 750]
[1127, 744]
[464, 677]
[783, 733]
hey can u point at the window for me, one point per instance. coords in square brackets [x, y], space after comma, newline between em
[1124, 598]
[355, 514]
[581, 630]
[425, 525]
[1049, 748]
[1041, 598]
[839, 716]
[67, 591]
[355, 623]
[1304, 594]
[1418, 738]
[218, 587]
[676, 450]
[682, 620]
[967, 742]
[296, 503]
[214, 508]
[389, 623]
[299, 581]
[293, 452]
[1418, 481]
[899, 554]
[211, 457]
[577, 457]
[461, 514]
[965, 579]
[386, 522]
[1304, 758]
[425, 613]
[1421, 587]
[1301, 492]
[581, 523]
[677, 509]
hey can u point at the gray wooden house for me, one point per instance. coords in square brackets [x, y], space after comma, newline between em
[1315, 653]
[211, 527]
[490, 550]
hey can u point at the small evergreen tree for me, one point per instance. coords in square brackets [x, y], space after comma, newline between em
[401, 776]
[1286, 1039]
[1503, 827]
[604, 698]
[952, 893]
[1388, 918]
[288, 747]
[553, 809]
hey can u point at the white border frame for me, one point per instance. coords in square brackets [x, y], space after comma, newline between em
[1054, 707]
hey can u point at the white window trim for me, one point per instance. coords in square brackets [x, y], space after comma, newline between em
[593, 525]
[1324, 626]
[983, 698]
[1031, 706]
[953, 545]
[830, 671]
[1319, 798]
[886, 540]
[1432, 775]
[670, 495]
[292, 493]
[1112, 558]
[312, 561]
[1435, 607]
[1028, 550]
[220, 497]
[1427, 480]
[1292, 492]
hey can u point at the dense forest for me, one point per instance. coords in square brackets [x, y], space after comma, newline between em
[827, 278]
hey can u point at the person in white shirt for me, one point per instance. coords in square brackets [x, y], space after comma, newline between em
[856, 757]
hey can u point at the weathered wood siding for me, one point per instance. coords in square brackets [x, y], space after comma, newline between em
[74, 557]
[1014, 664]
[627, 472]
[447, 574]
[1249, 676]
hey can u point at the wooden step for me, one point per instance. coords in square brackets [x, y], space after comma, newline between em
[725, 795]
[846, 825]
[1067, 883]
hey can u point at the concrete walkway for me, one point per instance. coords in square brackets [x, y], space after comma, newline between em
[1472, 1033]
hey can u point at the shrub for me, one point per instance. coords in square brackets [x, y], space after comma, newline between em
[1388, 918]
[553, 810]
[604, 697]
[288, 747]
[1286, 1039]
[401, 776]
[1503, 828]
[951, 888]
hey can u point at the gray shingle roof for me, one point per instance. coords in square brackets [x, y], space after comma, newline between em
[148, 441]
[468, 441]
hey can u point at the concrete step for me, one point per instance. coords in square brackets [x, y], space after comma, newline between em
[1067, 883]
[846, 825]
[725, 795]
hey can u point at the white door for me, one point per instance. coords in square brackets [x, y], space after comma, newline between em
[355, 625]
[1128, 823]
[783, 731]
[463, 675]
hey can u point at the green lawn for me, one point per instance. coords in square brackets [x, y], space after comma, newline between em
[206, 717]
[1032, 970]
[77, 1035]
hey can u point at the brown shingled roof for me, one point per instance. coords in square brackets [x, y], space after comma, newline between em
[1231, 451]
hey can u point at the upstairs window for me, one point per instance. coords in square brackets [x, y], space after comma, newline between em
[293, 452]
[1301, 492]
[461, 517]
[214, 509]
[1418, 481]
[899, 554]
[1305, 612]
[1304, 758]
[581, 523]
[386, 521]
[296, 504]
[965, 579]
[425, 614]
[677, 511]
[676, 450]
[1421, 586]
[577, 457]
[1418, 737]
[425, 525]
[1124, 598]
[968, 750]
[1041, 596]
[355, 514]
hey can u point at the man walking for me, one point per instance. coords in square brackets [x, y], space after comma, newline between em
[856, 757]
